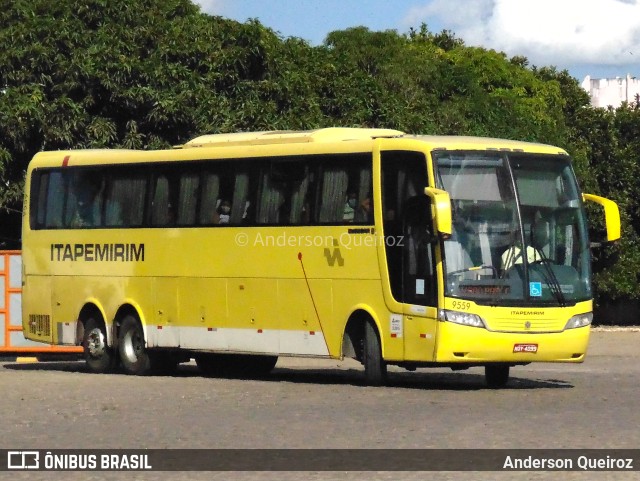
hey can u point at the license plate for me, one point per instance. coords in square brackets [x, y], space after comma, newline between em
[532, 348]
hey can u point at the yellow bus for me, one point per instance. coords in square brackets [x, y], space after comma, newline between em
[234, 249]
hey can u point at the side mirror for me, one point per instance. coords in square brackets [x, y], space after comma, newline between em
[441, 203]
[611, 215]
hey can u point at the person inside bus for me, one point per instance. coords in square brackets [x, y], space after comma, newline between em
[513, 256]
[86, 188]
[222, 214]
[350, 207]
[364, 213]
[539, 240]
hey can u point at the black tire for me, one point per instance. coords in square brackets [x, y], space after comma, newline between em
[375, 369]
[496, 375]
[99, 356]
[131, 346]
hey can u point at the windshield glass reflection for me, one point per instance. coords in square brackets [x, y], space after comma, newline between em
[519, 232]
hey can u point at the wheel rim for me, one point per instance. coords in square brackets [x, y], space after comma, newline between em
[96, 344]
[133, 345]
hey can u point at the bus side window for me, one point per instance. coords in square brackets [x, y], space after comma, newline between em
[84, 200]
[335, 182]
[188, 198]
[55, 200]
[270, 200]
[209, 198]
[124, 204]
[358, 206]
[38, 199]
[364, 210]
[298, 201]
[345, 195]
[241, 203]
[113, 209]
[42, 206]
[283, 193]
[163, 207]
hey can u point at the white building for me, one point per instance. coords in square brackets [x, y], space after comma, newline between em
[612, 92]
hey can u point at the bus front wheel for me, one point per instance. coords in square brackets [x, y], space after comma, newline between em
[133, 352]
[375, 368]
[496, 375]
[99, 357]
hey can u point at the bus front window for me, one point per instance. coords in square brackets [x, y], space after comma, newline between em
[519, 234]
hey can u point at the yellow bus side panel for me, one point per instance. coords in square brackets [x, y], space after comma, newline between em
[420, 338]
[36, 325]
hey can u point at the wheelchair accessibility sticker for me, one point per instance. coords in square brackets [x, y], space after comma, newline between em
[535, 289]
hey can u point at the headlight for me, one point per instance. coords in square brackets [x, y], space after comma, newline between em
[580, 320]
[464, 318]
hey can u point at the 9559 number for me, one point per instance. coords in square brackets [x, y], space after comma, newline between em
[461, 305]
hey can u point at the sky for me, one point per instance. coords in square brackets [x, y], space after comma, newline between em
[600, 38]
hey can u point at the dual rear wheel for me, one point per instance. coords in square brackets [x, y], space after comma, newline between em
[137, 360]
[132, 351]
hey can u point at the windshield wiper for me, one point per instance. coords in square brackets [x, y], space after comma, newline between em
[552, 279]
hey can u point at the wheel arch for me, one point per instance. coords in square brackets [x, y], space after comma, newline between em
[353, 334]
[128, 308]
[91, 308]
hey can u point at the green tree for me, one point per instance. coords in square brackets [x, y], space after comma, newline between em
[617, 172]
[138, 74]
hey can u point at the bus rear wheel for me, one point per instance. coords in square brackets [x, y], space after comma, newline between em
[131, 346]
[375, 368]
[496, 375]
[99, 356]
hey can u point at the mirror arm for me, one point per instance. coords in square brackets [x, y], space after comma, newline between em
[611, 215]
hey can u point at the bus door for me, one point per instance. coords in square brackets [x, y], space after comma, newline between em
[409, 245]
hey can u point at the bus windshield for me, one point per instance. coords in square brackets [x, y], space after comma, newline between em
[519, 233]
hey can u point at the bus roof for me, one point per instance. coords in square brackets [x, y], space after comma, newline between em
[342, 134]
[337, 135]
[458, 142]
[330, 134]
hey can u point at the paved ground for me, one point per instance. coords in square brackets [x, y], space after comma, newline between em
[323, 404]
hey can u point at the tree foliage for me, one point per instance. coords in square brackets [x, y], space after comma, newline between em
[149, 74]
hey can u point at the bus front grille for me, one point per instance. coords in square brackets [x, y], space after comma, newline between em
[526, 325]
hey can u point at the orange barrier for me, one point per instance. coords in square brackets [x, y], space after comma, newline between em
[12, 341]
